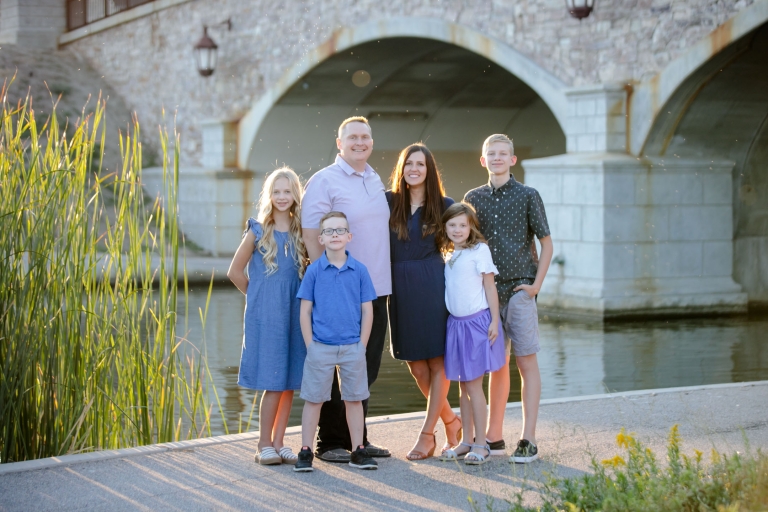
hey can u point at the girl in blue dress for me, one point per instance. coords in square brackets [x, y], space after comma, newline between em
[273, 352]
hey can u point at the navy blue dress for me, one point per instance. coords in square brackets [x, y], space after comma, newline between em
[272, 357]
[417, 312]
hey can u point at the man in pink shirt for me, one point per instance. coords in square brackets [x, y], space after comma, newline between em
[351, 186]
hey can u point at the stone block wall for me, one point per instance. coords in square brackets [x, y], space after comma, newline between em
[32, 23]
[150, 62]
[638, 235]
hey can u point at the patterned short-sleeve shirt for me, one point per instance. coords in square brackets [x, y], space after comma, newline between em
[510, 216]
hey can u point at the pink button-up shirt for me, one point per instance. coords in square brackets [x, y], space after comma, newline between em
[360, 196]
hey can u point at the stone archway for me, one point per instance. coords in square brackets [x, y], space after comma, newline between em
[548, 88]
[410, 89]
[720, 114]
[658, 102]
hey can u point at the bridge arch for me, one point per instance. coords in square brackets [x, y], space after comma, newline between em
[718, 111]
[657, 104]
[435, 34]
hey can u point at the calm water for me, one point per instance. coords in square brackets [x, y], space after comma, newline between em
[576, 359]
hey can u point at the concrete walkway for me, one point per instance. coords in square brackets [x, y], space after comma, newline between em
[219, 473]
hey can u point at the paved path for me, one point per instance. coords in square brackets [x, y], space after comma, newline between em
[219, 473]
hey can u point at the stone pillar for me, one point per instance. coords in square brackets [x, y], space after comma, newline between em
[215, 200]
[597, 119]
[32, 23]
[633, 236]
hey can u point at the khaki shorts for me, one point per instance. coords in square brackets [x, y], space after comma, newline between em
[520, 319]
[321, 362]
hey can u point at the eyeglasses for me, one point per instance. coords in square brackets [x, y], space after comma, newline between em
[338, 231]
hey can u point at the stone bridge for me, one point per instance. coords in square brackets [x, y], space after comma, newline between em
[644, 126]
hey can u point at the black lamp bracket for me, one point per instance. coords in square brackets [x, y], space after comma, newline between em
[221, 24]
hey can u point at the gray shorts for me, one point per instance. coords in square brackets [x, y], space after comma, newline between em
[520, 319]
[321, 362]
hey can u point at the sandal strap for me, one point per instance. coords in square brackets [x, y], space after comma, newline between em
[484, 447]
[451, 453]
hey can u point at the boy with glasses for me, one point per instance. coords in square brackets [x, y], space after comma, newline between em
[336, 318]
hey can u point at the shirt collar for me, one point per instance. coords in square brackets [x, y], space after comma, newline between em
[509, 184]
[350, 263]
[348, 168]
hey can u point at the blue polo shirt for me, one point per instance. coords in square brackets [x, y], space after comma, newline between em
[336, 295]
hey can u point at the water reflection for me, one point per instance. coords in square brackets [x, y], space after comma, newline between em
[576, 359]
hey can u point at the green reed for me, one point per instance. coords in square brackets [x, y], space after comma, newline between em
[89, 354]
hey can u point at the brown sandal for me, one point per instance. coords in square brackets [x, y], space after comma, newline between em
[417, 455]
[459, 434]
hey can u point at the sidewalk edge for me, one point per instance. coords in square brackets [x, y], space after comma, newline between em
[68, 460]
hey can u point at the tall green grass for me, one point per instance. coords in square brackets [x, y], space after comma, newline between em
[89, 350]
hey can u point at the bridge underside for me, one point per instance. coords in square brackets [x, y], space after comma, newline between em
[411, 90]
[725, 117]
[682, 228]
[676, 230]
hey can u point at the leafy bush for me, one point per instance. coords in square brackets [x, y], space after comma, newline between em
[635, 481]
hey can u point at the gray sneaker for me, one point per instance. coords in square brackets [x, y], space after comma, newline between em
[526, 452]
[336, 455]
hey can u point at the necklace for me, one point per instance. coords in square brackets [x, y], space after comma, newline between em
[454, 258]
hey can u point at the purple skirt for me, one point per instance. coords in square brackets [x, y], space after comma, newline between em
[468, 351]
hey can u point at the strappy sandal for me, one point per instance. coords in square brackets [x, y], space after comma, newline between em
[474, 458]
[417, 455]
[287, 456]
[459, 433]
[451, 453]
[267, 456]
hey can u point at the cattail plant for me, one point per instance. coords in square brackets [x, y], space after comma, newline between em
[90, 357]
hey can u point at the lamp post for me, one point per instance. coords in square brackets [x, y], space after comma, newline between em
[579, 9]
[206, 50]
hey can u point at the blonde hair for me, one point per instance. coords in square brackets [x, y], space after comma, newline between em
[355, 119]
[267, 245]
[498, 137]
[475, 236]
[333, 215]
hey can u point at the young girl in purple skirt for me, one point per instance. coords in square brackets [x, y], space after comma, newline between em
[473, 346]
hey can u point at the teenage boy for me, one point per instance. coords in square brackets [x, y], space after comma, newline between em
[336, 317]
[510, 215]
[351, 186]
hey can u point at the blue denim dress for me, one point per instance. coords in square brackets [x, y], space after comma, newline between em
[273, 353]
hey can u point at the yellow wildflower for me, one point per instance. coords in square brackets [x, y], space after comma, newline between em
[614, 462]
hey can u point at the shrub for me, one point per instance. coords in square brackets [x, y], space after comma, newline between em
[635, 481]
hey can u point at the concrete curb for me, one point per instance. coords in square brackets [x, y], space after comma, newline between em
[68, 460]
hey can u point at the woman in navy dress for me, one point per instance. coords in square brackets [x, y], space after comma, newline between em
[417, 312]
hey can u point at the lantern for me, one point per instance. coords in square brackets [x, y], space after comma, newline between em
[205, 49]
[579, 9]
[205, 54]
